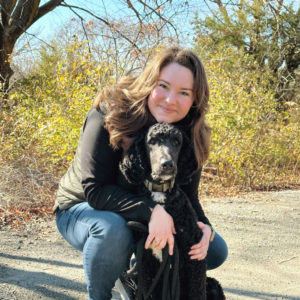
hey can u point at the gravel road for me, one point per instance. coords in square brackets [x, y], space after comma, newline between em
[262, 231]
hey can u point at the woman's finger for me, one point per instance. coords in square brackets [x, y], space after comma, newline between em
[196, 250]
[199, 253]
[173, 229]
[198, 257]
[162, 244]
[201, 225]
[196, 246]
[171, 244]
[149, 240]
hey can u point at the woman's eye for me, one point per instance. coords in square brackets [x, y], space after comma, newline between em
[185, 94]
[162, 85]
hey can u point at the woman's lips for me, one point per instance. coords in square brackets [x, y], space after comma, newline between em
[167, 109]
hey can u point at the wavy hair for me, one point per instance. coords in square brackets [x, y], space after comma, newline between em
[126, 101]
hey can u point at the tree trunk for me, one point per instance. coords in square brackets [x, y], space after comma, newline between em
[16, 16]
[6, 72]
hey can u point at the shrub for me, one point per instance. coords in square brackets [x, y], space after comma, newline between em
[48, 108]
[254, 144]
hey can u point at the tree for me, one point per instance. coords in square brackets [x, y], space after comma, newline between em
[267, 30]
[16, 16]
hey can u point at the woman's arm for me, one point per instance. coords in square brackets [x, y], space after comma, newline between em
[199, 250]
[191, 190]
[99, 169]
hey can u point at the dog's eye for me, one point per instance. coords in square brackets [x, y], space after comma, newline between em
[176, 142]
[151, 142]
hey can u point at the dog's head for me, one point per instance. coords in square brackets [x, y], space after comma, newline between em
[163, 143]
[159, 154]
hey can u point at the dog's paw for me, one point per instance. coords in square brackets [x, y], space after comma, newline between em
[214, 290]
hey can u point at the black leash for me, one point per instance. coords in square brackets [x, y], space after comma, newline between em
[167, 263]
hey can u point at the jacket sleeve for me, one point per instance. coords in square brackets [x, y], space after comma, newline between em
[99, 170]
[191, 190]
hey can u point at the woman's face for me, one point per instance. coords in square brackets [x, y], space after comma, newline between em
[172, 97]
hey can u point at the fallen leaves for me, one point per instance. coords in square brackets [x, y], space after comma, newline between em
[16, 216]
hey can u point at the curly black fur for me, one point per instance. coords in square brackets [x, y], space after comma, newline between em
[135, 165]
[192, 273]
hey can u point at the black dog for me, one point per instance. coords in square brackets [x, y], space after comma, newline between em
[161, 159]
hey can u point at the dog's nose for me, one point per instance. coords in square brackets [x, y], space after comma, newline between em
[168, 165]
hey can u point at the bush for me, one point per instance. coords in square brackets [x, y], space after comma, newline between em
[49, 107]
[254, 144]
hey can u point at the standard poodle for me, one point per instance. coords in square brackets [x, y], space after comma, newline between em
[162, 159]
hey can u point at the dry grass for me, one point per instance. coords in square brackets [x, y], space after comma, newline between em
[211, 185]
[26, 193]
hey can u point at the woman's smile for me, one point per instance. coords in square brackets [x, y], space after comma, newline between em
[167, 109]
[172, 97]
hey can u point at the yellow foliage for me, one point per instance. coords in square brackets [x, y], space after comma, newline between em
[253, 142]
[51, 108]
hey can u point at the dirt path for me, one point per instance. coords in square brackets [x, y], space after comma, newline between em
[262, 231]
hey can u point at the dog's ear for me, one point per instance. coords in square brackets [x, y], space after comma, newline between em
[187, 163]
[134, 165]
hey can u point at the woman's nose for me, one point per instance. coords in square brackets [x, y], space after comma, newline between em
[171, 97]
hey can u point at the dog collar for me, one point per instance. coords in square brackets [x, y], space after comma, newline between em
[159, 187]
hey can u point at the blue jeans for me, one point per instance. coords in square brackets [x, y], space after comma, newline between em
[107, 245]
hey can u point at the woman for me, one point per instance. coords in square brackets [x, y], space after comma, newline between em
[92, 209]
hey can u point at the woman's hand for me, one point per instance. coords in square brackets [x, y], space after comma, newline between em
[161, 229]
[199, 251]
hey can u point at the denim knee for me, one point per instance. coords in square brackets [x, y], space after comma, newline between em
[115, 232]
[81, 222]
[217, 253]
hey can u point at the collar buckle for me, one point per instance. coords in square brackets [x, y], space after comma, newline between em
[159, 187]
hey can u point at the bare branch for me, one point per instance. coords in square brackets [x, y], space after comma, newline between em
[135, 11]
[41, 40]
[280, 4]
[87, 11]
[83, 27]
[8, 6]
[222, 8]
[25, 14]
[22, 16]
[4, 13]
[219, 3]
[9, 29]
[105, 22]
[157, 12]
[47, 7]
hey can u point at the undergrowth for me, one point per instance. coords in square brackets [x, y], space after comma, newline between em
[255, 141]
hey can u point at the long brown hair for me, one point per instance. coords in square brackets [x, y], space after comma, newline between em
[126, 101]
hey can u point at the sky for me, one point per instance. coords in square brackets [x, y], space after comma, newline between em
[46, 27]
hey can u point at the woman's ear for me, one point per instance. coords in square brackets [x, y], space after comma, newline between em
[187, 163]
[134, 165]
